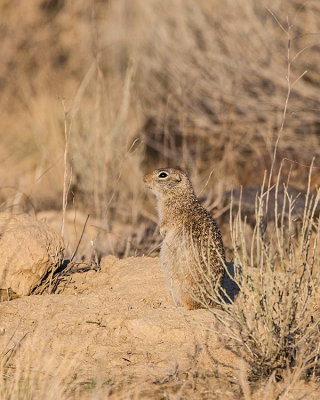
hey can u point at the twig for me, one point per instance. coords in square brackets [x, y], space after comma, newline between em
[65, 165]
[284, 113]
[81, 236]
[206, 184]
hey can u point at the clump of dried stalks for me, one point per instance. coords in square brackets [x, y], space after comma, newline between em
[275, 318]
[274, 322]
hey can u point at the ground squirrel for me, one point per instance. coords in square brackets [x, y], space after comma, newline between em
[192, 253]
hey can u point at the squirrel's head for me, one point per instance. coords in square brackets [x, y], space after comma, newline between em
[166, 182]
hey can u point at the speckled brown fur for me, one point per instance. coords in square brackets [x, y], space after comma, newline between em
[192, 253]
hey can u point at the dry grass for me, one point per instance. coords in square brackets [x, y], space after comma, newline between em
[146, 85]
[196, 84]
[275, 319]
[29, 371]
[273, 322]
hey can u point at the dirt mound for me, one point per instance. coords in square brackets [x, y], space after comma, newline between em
[119, 323]
[115, 334]
[29, 249]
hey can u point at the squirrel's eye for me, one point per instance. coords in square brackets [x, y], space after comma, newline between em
[163, 175]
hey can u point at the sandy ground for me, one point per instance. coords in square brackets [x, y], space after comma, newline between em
[116, 334]
[118, 326]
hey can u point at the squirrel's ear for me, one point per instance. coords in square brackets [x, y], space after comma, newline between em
[177, 178]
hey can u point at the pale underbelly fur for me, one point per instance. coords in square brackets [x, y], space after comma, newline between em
[177, 264]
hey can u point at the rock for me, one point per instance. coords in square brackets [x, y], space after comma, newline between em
[29, 249]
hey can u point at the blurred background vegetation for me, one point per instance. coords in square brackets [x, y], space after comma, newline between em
[138, 85]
